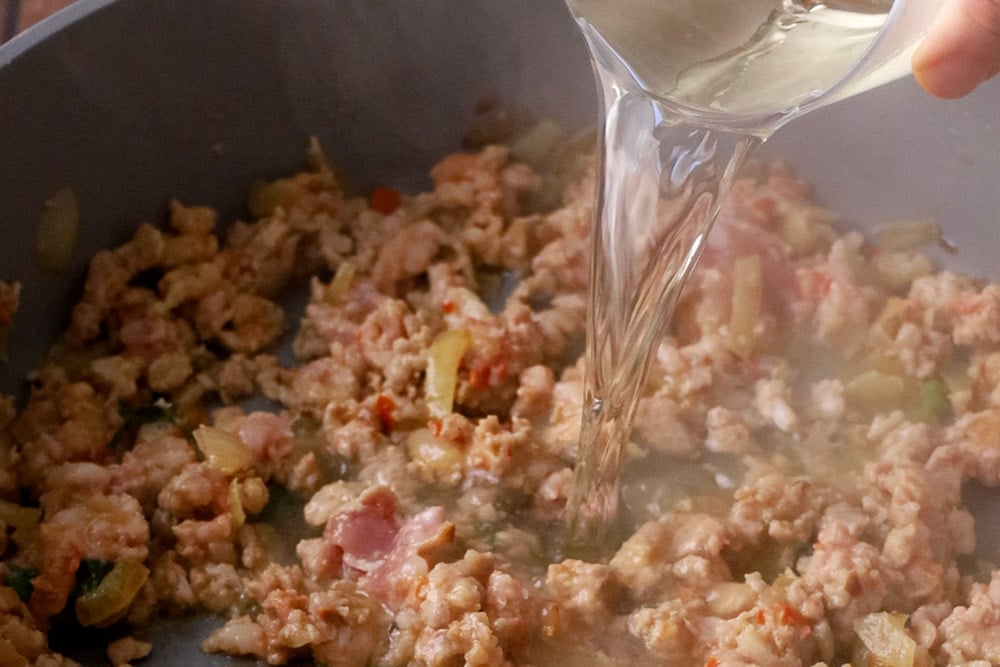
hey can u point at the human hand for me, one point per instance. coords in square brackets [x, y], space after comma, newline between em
[961, 50]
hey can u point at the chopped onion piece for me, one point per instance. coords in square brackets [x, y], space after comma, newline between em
[805, 228]
[727, 599]
[316, 157]
[113, 595]
[223, 450]
[892, 316]
[246, 496]
[237, 517]
[100, 505]
[884, 636]
[265, 197]
[253, 494]
[446, 353]
[58, 227]
[537, 143]
[876, 389]
[907, 234]
[341, 283]
[745, 306]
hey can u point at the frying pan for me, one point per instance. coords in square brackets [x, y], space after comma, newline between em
[132, 102]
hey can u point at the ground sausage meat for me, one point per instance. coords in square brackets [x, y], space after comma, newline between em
[392, 492]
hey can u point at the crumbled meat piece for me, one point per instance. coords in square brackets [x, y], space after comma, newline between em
[470, 612]
[670, 549]
[22, 642]
[110, 528]
[972, 632]
[123, 651]
[534, 393]
[727, 432]
[240, 636]
[816, 481]
[972, 446]
[406, 253]
[585, 592]
[772, 400]
[195, 487]
[208, 541]
[769, 503]
[269, 437]
[331, 500]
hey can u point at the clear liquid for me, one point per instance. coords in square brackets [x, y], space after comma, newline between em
[667, 72]
[733, 56]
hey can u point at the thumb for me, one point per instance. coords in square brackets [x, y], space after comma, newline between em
[961, 50]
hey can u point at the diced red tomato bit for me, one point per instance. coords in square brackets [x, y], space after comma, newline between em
[386, 200]
[967, 306]
[766, 207]
[490, 369]
[384, 408]
[815, 285]
[712, 662]
[326, 614]
[448, 306]
[761, 618]
[789, 615]
[479, 376]
[435, 425]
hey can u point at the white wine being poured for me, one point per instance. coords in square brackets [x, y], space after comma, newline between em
[688, 89]
[737, 56]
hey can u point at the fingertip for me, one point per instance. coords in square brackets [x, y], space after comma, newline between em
[946, 78]
[961, 51]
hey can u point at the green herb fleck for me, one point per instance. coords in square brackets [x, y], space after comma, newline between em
[19, 578]
[91, 573]
[934, 399]
[159, 410]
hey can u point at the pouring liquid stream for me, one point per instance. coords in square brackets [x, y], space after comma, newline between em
[689, 88]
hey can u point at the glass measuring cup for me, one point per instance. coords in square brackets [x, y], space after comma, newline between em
[888, 56]
[688, 88]
[771, 59]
